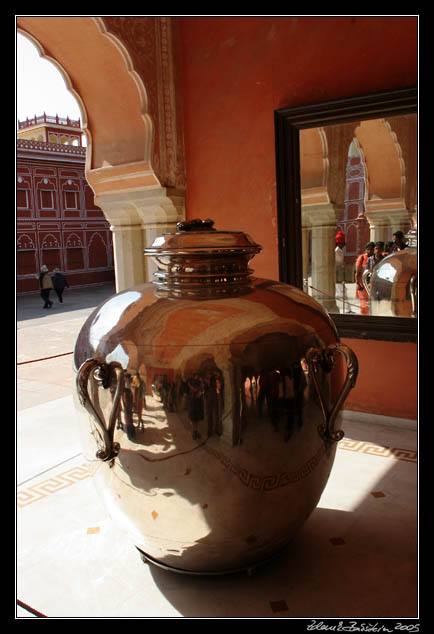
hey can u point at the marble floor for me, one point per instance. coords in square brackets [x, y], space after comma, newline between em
[356, 557]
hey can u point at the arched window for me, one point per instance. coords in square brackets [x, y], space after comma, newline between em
[51, 251]
[74, 253]
[26, 255]
[97, 250]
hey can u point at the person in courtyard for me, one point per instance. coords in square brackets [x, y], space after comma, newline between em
[398, 241]
[388, 249]
[374, 259]
[45, 285]
[361, 292]
[59, 284]
[339, 256]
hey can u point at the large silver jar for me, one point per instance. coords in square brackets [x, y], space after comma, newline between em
[207, 402]
[392, 288]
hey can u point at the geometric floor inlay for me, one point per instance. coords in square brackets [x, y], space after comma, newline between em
[51, 485]
[361, 446]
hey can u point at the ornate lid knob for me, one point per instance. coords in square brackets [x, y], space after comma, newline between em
[197, 224]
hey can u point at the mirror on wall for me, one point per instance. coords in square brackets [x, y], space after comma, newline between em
[347, 209]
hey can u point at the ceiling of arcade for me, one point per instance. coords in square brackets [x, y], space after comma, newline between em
[124, 75]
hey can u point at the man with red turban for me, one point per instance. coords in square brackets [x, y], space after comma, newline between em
[339, 256]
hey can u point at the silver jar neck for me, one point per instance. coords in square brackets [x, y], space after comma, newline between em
[199, 261]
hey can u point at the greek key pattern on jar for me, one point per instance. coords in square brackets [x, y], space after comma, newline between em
[269, 482]
[396, 453]
[47, 487]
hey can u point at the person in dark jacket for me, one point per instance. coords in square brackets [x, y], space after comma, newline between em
[59, 283]
[398, 241]
[45, 284]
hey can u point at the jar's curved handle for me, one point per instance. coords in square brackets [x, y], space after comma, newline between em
[318, 358]
[413, 294]
[366, 279]
[108, 376]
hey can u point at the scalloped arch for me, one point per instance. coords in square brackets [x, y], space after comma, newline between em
[383, 159]
[380, 152]
[99, 72]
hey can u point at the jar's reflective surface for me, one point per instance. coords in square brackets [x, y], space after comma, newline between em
[208, 419]
[393, 285]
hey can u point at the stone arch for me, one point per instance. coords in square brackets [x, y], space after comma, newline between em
[383, 158]
[386, 197]
[318, 213]
[314, 165]
[98, 70]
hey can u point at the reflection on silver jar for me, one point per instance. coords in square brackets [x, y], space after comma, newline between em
[392, 288]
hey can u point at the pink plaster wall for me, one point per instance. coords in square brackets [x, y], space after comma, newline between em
[236, 72]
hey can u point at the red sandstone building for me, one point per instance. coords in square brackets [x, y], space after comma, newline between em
[57, 222]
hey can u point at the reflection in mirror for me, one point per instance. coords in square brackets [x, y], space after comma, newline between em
[358, 184]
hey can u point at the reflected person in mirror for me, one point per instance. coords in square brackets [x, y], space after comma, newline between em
[361, 292]
[388, 248]
[398, 241]
[339, 256]
[374, 259]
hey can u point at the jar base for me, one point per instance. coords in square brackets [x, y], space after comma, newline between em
[248, 569]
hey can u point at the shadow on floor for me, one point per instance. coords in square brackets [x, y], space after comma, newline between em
[358, 564]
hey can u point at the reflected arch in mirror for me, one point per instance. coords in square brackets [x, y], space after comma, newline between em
[344, 118]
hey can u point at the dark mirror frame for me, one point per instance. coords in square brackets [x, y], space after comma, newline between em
[288, 122]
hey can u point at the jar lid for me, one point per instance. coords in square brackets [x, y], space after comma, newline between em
[199, 237]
